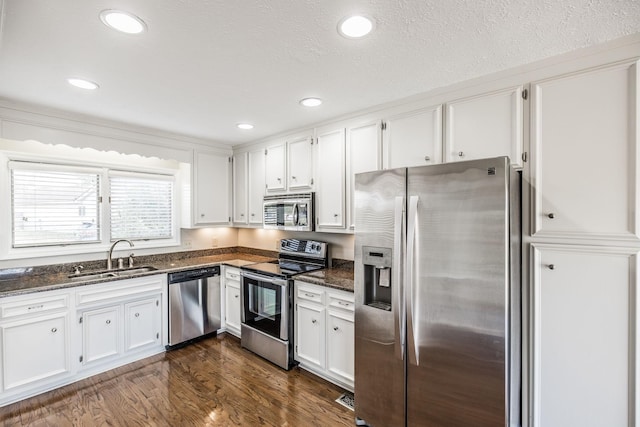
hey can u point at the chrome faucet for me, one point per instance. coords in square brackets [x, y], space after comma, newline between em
[109, 260]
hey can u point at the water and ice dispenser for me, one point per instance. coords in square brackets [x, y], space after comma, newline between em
[377, 277]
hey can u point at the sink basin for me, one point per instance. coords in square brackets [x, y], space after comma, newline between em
[103, 274]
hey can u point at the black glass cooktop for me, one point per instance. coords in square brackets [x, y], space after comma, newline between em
[283, 268]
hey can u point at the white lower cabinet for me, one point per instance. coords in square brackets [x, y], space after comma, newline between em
[233, 302]
[325, 332]
[35, 344]
[142, 324]
[584, 330]
[101, 334]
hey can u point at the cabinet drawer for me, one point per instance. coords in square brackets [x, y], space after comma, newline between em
[121, 289]
[232, 274]
[342, 302]
[33, 305]
[308, 294]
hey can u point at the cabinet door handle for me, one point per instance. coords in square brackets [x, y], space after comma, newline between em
[313, 320]
[279, 179]
[137, 314]
[552, 267]
[253, 214]
[293, 177]
[201, 215]
[551, 215]
[427, 158]
[346, 304]
[335, 215]
[54, 330]
[237, 296]
[335, 328]
[460, 153]
[108, 321]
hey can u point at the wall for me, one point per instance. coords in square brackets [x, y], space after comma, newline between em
[341, 245]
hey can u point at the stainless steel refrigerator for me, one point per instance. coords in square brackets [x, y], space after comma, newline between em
[437, 288]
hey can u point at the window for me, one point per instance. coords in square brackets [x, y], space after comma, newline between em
[141, 206]
[54, 205]
[60, 205]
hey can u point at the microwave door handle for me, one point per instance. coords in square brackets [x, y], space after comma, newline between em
[295, 214]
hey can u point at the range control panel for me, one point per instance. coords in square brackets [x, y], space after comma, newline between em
[309, 248]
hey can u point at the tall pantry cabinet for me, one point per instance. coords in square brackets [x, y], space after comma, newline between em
[583, 245]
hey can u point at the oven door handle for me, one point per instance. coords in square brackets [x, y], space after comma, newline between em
[275, 281]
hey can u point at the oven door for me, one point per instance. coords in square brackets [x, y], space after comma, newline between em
[266, 304]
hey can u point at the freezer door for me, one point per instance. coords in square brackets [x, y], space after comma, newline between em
[458, 278]
[379, 321]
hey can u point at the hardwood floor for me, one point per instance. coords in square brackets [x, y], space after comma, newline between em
[211, 382]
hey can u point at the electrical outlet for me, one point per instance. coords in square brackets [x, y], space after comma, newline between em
[214, 242]
[187, 243]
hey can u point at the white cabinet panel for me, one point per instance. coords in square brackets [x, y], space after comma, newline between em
[584, 335]
[584, 169]
[413, 138]
[330, 190]
[310, 334]
[484, 126]
[35, 350]
[233, 302]
[363, 155]
[275, 164]
[102, 334]
[142, 323]
[340, 339]
[300, 162]
[212, 188]
[240, 186]
[256, 185]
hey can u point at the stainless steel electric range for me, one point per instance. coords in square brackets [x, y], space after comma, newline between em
[267, 296]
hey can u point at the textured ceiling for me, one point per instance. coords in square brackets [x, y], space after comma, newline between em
[205, 65]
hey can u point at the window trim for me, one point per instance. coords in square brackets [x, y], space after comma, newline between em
[9, 159]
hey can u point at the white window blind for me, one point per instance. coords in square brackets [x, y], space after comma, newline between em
[141, 206]
[54, 205]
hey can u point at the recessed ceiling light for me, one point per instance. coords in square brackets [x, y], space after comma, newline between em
[122, 21]
[245, 126]
[83, 84]
[354, 27]
[311, 102]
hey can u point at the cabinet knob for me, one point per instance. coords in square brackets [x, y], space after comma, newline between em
[293, 177]
[335, 215]
[253, 214]
[237, 296]
[279, 179]
[313, 320]
[552, 267]
[551, 215]
[427, 158]
[201, 215]
[108, 321]
[335, 328]
[137, 314]
[460, 153]
[54, 330]
[241, 214]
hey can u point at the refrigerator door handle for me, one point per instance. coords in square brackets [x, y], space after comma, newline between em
[398, 300]
[412, 321]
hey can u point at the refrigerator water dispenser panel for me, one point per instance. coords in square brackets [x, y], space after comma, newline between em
[377, 277]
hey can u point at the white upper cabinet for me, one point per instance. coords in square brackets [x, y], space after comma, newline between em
[275, 168]
[300, 162]
[211, 189]
[240, 186]
[413, 138]
[488, 125]
[584, 148]
[330, 188]
[364, 154]
[256, 188]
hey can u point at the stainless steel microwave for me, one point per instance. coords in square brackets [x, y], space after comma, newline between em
[289, 212]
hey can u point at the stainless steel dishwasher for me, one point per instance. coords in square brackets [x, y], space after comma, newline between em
[194, 304]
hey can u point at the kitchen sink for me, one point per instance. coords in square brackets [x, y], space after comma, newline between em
[103, 274]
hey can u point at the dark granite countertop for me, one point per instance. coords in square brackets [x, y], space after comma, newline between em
[336, 278]
[23, 280]
[37, 279]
